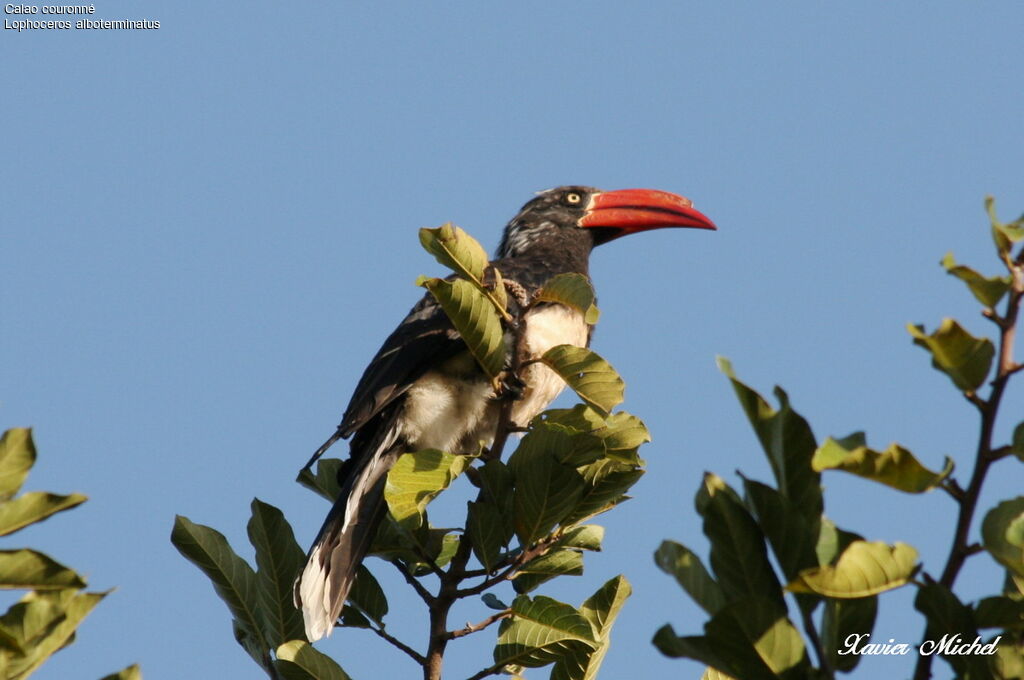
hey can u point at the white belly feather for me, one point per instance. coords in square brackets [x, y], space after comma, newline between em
[454, 414]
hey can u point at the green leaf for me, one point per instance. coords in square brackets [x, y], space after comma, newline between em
[601, 609]
[298, 660]
[791, 534]
[988, 290]
[963, 357]
[475, 318]
[567, 445]
[787, 441]
[1004, 235]
[586, 537]
[747, 639]
[754, 635]
[1017, 443]
[605, 483]
[715, 674]
[679, 561]
[1000, 612]
[457, 250]
[278, 559]
[571, 290]
[1002, 533]
[542, 630]
[948, 616]
[44, 623]
[590, 376]
[1008, 662]
[546, 491]
[17, 456]
[895, 467]
[842, 619]
[33, 507]
[133, 672]
[832, 541]
[863, 569]
[30, 569]
[232, 577]
[325, 480]
[367, 598]
[621, 433]
[546, 567]
[686, 646]
[416, 479]
[485, 528]
[738, 555]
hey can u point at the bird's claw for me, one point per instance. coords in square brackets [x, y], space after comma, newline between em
[511, 386]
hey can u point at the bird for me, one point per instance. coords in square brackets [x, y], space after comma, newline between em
[423, 389]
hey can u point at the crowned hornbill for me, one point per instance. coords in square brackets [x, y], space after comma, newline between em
[423, 390]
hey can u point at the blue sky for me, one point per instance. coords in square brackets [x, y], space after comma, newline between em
[210, 228]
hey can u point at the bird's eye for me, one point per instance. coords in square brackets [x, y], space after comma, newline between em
[573, 198]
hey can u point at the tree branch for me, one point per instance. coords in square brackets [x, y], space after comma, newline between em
[492, 670]
[416, 656]
[469, 629]
[985, 455]
[416, 585]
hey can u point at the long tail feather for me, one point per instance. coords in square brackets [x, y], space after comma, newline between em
[345, 537]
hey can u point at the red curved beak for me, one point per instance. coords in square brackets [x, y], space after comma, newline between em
[633, 210]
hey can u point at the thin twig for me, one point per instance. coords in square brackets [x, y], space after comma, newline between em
[819, 650]
[492, 670]
[416, 585]
[416, 656]
[521, 559]
[469, 629]
[953, 488]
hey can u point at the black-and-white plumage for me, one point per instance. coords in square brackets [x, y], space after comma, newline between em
[424, 390]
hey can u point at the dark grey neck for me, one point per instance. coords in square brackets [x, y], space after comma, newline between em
[547, 248]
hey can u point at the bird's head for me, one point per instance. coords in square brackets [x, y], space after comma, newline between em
[589, 216]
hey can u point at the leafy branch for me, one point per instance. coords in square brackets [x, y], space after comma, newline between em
[833, 576]
[527, 524]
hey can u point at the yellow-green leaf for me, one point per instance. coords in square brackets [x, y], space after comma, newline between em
[963, 357]
[416, 479]
[1003, 234]
[863, 569]
[457, 250]
[133, 672]
[43, 623]
[31, 569]
[1002, 533]
[590, 376]
[32, 507]
[298, 660]
[541, 630]
[474, 317]
[572, 290]
[895, 467]
[601, 609]
[546, 567]
[988, 290]
[17, 456]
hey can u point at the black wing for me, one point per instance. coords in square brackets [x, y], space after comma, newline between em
[425, 338]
